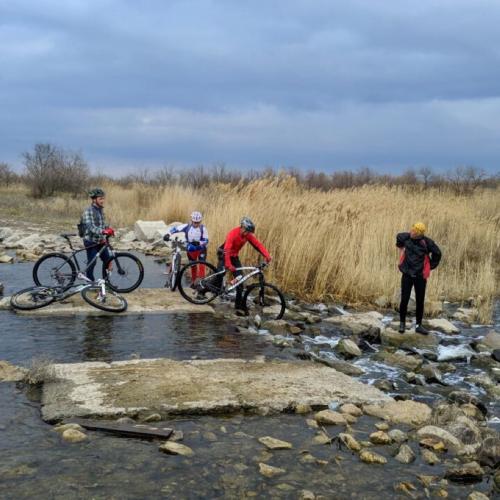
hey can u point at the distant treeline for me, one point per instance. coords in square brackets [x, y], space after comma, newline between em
[50, 169]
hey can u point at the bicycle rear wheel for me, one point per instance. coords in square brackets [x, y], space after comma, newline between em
[266, 300]
[205, 286]
[54, 269]
[124, 272]
[34, 297]
[110, 302]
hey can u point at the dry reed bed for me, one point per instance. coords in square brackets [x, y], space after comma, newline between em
[339, 244]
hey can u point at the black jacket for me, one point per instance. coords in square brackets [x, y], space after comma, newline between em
[415, 251]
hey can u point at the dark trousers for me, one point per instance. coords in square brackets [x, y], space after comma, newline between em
[407, 282]
[235, 261]
[92, 249]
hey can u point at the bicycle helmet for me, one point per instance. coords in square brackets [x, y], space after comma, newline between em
[196, 216]
[94, 193]
[247, 224]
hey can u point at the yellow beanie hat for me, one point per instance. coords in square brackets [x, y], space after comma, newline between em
[419, 228]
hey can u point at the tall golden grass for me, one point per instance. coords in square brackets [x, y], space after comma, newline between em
[339, 244]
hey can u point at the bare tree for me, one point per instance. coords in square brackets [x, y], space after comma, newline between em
[7, 175]
[51, 170]
[425, 173]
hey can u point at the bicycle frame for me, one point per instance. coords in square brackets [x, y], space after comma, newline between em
[226, 289]
[107, 245]
[66, 293]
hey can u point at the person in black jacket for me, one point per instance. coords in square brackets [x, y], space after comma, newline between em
[418, 255]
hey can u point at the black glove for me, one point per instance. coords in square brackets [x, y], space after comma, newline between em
[166, 237]
[196, 243]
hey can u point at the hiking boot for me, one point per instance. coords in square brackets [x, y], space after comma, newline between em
[241, 312]
[402, 327]
[422, 330]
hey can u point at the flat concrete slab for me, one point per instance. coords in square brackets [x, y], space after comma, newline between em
[140, 387]
[142, 300]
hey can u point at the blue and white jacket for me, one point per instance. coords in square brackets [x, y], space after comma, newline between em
[197, 237]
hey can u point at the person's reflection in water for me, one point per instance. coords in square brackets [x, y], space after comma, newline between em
[97, 338]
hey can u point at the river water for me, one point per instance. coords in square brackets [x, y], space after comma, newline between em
[34, 461]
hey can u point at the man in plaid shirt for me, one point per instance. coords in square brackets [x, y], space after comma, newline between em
[95, 230]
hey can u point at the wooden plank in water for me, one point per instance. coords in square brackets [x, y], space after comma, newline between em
[144, 431]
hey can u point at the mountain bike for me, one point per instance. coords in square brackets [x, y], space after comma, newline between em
[98, 294]
[175, 264]
[123, 271]
[262, 298]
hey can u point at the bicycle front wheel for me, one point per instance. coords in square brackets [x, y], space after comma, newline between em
[124, 272]
[31, 298]
[110, 302]
[174, 274]
[266, 300]
[199, 282]
[54, 269]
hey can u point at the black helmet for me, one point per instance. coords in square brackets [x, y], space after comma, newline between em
[247, 224]
[94, 193]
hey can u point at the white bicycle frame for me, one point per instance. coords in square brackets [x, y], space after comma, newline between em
[255, 271]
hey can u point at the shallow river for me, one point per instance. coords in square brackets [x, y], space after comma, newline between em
[35, 462]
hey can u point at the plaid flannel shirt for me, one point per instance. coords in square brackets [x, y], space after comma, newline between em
[93, 218]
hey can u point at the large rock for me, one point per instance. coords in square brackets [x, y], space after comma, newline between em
[400, 359]
[432, 374]
[11, 373]
[147, 230]
[400, 412]
[166, 386]
[358, 323]
[442, 325]
[6, 259]
[432, 431]
[330, 417]
[407, 340]
[280, 327]
[469, 472]
[491, 340]
[5, 304]
[466, 315]
[29, 242]
[348, 349]
[350, 441]
[340, 365]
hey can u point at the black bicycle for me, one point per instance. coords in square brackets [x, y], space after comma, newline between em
[261, 298]
[98, 294]
[123, 271]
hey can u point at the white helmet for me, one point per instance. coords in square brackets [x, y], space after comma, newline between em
[196, 216]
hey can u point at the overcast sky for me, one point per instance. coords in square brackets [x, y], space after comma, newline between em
[313, 84]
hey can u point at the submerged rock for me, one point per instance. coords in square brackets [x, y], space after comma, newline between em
[173, 448]
[432, 374]
[73, 436]
[398, 436]
[351, 410]
[466, 315]
[275, 444]
[429, 457]
[405, 454]
[349, 441]
[370, 457]
[452, 352]
[269, 470]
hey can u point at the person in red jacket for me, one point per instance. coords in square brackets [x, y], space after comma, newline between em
[229, 250]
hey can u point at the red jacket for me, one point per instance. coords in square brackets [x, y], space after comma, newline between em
[234, 242]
